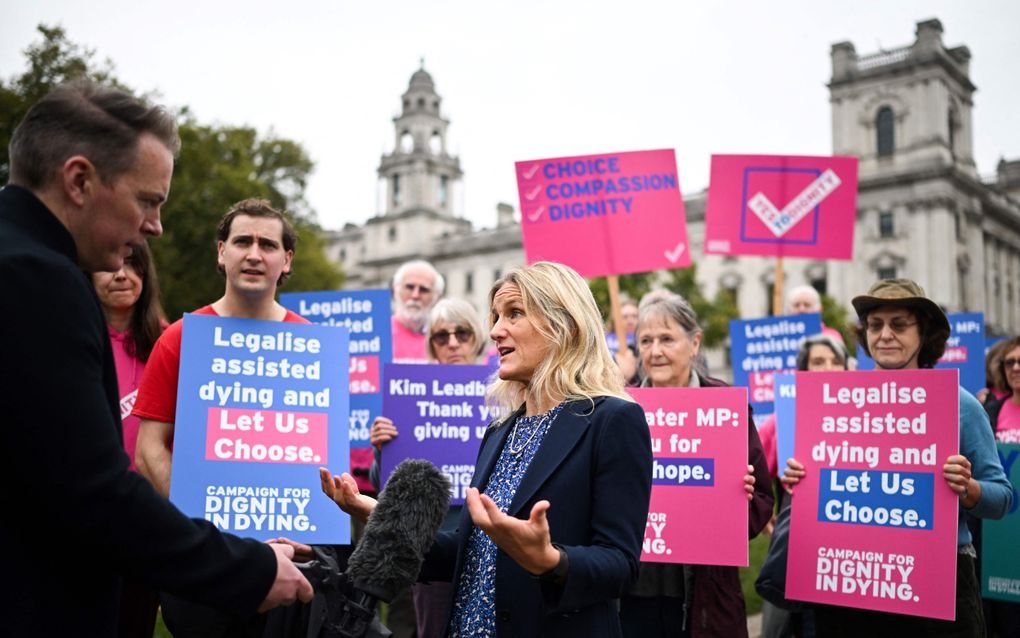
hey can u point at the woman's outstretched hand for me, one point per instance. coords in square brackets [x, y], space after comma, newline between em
[345, 493]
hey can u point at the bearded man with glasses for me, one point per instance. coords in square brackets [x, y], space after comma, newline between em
[417, 286]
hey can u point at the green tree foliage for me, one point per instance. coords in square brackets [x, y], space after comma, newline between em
[633, 287]
[218, 165]
[49, 63]
[714, 315]
[836, 316]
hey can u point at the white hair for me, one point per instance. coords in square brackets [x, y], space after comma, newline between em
[796, 291]
[438, 285]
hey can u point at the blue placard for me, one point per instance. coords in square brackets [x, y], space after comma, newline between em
[440, 415]
[614, 343]
[786, 417]
[762, 347]
[965, 350]
[255, 404]
[366, 313]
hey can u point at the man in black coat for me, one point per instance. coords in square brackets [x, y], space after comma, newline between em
[90, 168]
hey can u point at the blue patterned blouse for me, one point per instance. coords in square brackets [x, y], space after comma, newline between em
[474, 607]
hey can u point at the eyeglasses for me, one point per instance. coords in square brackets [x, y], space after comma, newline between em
[1010, 363]
[422, 289]
[898, 326]
[442, 337]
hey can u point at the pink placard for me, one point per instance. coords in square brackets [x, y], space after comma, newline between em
[783, 205]
[873, 524]
[698, 512]
[364, 374]
[604, 214]
[266, 436]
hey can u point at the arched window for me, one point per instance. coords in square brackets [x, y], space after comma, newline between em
[397, 196]
[884, 127]
[406, 142]
[444, 190]
[435, 143]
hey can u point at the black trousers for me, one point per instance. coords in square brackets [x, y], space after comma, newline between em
[652, 617]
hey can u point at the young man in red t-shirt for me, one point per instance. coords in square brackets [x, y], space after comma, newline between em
[255, 246]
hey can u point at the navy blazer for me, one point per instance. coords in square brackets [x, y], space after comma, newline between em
[595, 469]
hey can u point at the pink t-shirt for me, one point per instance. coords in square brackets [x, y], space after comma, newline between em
[1007, 430]
[129, 375]
[767, 434]
[408, 346]
[832, 332]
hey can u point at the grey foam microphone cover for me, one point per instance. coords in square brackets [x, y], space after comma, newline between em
[400, 529]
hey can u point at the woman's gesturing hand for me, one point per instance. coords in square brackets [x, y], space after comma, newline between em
[345, 493]
[526, 541]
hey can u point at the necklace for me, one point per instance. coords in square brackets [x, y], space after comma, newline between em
[513, 438]
[539, 426]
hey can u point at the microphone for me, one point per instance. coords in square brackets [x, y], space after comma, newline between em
[400, 530]
[389, 556]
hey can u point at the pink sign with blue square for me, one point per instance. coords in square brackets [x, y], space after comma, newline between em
[698, 511]
[782, 205]
[604, 214]
[874, 524]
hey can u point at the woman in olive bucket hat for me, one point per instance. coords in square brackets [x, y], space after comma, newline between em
[902, 329]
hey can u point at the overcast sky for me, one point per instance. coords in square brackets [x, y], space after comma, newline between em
[521, 80]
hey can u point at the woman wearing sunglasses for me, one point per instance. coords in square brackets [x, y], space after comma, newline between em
[455, 337]
[1004, 412]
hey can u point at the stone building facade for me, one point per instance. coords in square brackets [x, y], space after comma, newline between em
[923, 210]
